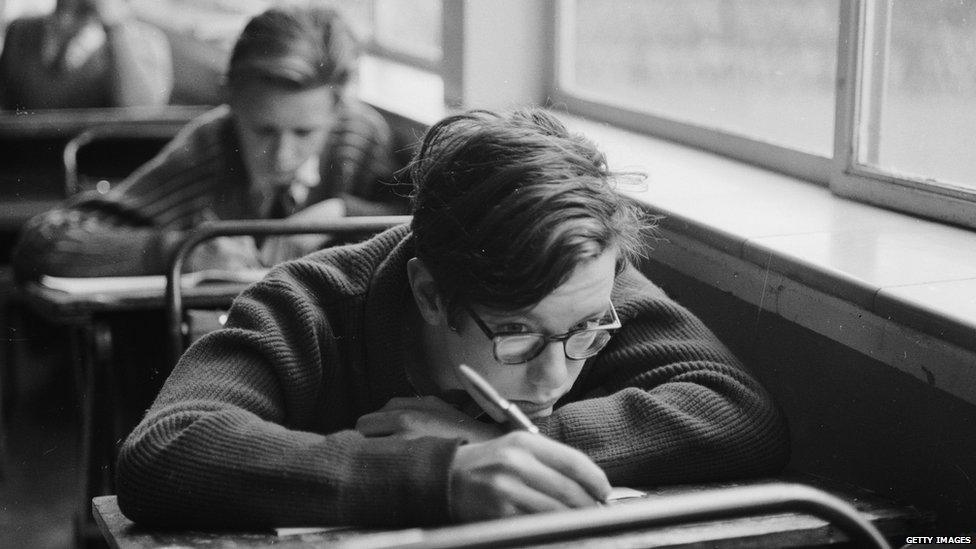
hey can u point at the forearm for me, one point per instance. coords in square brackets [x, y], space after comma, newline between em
[142, 72]
[68, 242]
[248, 430]
[705, 424]
[667, 402]
[224, 467]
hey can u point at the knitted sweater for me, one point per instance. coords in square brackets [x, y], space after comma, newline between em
[254, 427]
[199, 176]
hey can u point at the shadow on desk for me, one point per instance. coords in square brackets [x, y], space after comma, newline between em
[757, 513]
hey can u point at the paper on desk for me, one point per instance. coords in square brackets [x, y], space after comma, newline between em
[299, 531]
[618, 493]
[121, 284]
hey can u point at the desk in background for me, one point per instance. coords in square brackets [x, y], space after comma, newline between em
[31, 146]
[772, 530]
[89, 318]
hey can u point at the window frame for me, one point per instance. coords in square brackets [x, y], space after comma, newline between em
[377, 48]
[841, 172]
[864, 23]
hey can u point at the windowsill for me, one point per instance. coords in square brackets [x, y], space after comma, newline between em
[899, 289]
[895, 287]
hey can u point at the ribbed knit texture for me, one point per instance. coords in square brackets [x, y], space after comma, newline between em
[199, 176]
[253, 427]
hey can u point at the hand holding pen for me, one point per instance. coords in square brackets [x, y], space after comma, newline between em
[520, 472]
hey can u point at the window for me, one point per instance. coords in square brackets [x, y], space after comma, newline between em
[409, 30]
[403, 43]
[873, 97]
[906, 104]
[760, 69]
[405, 32]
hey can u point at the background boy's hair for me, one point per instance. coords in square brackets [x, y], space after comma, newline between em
[295, 47]
[506, 206]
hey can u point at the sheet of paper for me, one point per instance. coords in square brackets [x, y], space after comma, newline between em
[122, 284]
[100, 284]
[301, 531]
[618, 493]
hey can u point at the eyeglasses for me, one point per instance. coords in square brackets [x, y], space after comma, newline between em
[521, 347]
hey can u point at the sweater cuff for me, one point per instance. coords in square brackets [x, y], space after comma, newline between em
[401, 482]
[438, 484]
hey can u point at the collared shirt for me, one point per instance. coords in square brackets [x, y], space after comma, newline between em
[306, 178]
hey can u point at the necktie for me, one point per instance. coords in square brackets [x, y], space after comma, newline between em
[282, 206]
[282, 203]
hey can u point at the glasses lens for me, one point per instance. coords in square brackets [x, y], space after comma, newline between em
[586, 344]
[516, 348]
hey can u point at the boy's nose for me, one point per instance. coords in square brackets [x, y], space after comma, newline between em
[548, 371]
[284, 153]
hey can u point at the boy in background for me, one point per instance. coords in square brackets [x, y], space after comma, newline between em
[290, 143]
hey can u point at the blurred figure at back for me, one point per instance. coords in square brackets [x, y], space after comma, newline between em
[86, 53]
[289, 143]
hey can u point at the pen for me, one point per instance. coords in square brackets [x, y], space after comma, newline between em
[515, 416]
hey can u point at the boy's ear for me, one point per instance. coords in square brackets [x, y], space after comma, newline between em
[425, 293]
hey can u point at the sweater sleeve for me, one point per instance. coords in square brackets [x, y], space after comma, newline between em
[132, 229]
[83, 241]
[363, 151]
[667, 403]
[233, 439]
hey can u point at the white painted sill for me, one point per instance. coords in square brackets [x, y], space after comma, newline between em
[899, 289]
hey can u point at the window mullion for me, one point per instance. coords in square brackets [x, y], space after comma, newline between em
[845, 117]
[452, 61]
[877, 33]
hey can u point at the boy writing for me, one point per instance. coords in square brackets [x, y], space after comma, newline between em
[332, 394]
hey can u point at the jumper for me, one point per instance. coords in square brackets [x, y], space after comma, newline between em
[28, 83]
[199, 176]
[254, 426]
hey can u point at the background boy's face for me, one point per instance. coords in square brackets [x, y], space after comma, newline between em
[70, 15]
[280, 129]
[536, 385]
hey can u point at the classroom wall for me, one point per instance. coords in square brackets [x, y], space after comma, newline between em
[852, 418]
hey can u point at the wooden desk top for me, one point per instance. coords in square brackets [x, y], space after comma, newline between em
[780, 529]
[67, 308]
[68, 122]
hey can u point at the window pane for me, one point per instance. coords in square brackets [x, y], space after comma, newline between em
[760, 68]
[359, 15]
[412, 28]
[928, 110]
[215, 22]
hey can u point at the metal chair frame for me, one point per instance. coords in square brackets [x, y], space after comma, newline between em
[207, 231]
[162, 132]
[706, 505]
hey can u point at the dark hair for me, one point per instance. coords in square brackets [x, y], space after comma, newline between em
[506, 206]
[297, 48]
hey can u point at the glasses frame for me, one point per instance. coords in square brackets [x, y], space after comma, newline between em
[613, 326]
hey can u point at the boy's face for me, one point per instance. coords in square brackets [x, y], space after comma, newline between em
[280, 129]
[536, 385]
[71, 15]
